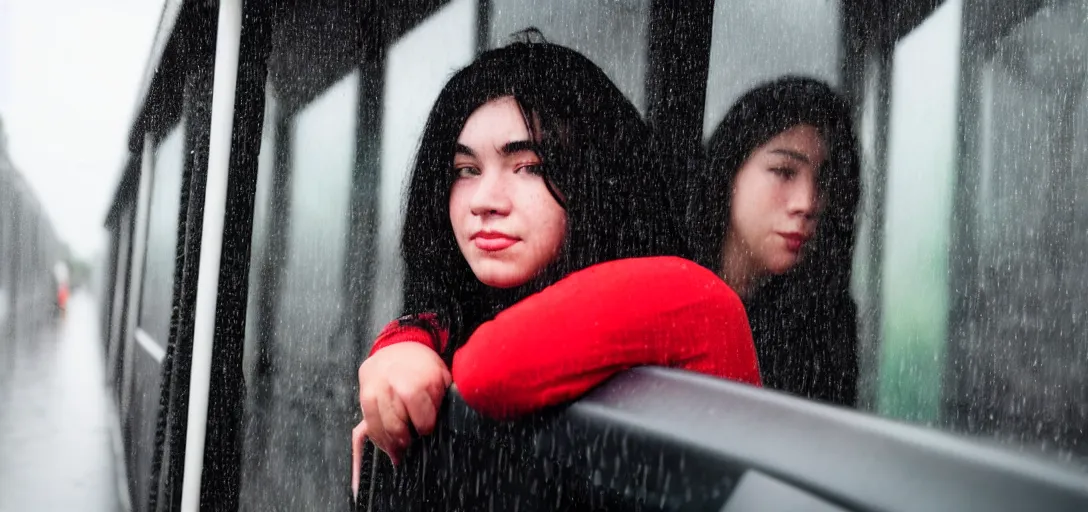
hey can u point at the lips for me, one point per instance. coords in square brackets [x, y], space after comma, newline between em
[794, 241]
[492, 241]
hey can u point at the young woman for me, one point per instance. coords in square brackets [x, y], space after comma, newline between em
[536, 220]
[773, 215]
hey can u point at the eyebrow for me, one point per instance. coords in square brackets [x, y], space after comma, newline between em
[507, 149]
[518, 146]
[792, 154]
[461, 149]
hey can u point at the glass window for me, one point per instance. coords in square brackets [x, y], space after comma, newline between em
[290, 424]
[162, 226]
[921, 171]
[415, 73]
[322, 158]
[300, 339]
[1019, 366]
[261, 256]
[156, 303]
[614, 34]
[757, 41]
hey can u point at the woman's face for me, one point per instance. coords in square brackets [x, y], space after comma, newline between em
[775, 201]
[508, 226]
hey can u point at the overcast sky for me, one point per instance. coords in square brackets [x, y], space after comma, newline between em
[70, 72]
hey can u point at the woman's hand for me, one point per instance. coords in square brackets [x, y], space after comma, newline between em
[399, 385]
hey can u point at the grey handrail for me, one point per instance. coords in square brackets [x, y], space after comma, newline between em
[672, 440]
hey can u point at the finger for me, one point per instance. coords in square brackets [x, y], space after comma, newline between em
[438, 391]
[447, 376]
[358, 441]
[394, 417]
[374, 413]
[422, 412]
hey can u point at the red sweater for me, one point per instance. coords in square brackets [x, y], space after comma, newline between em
[556, 345]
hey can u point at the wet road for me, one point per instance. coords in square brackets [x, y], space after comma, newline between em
[55, 448]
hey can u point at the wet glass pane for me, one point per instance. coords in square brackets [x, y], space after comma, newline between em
[261, 259]
[322, 156]
[158, 273]
[290, 433]
[866, 283]
[613, 34]
[1020, 364]
[142, 415]
[120, 290]
[921, 171]
[156, 292]
[414, 75]
[757, 41]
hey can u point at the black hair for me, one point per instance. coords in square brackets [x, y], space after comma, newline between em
[595, 149]
[804, 321]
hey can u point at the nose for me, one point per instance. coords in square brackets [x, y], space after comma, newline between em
[491, 196]
[804, 199]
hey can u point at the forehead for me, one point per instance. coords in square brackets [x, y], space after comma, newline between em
[804, 140]
[494, 123]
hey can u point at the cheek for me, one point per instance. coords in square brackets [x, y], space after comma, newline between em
[557, 231]
[458, 207]
[747, 205]
[549, 223]
[758, 201]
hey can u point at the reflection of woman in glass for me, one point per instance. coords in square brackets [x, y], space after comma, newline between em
[536, 218]
[774, 216]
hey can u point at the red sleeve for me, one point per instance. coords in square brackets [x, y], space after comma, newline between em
[556, 345]
[422, 328]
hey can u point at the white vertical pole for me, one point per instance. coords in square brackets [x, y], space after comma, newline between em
[228, 40]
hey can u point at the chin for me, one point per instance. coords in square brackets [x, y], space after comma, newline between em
[501, 278]
[783, 264]
[502, 282]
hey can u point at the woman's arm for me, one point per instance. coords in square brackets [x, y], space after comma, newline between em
[556, 345]
[402, 383]
[423, 328]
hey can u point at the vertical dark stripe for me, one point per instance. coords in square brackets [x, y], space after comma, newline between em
[677, 68]
[483, 25]
[220, 480]
[366, 179]
[362, 237]
[676, 75]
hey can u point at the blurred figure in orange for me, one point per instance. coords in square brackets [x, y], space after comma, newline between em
[60, 275]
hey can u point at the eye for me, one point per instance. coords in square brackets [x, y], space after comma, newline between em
[466, 171]
[786, 173]
[535, 168]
